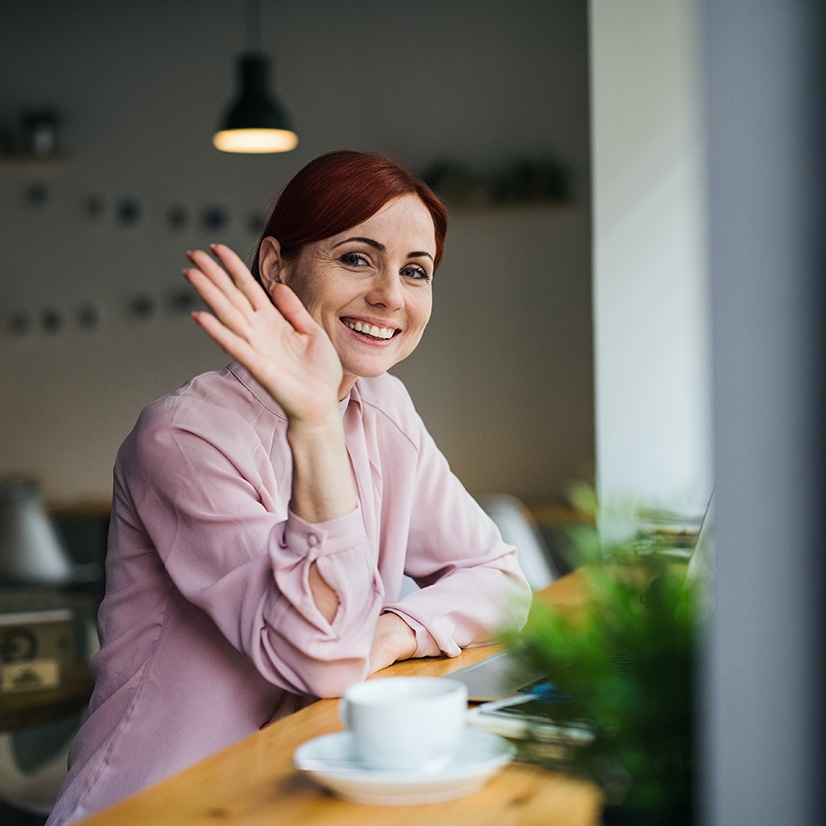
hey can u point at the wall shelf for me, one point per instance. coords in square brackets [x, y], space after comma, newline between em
[31, 159]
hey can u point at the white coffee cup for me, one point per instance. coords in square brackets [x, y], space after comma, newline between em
[406, 723]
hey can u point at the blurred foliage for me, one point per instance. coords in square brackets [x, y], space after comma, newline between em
[628, 663]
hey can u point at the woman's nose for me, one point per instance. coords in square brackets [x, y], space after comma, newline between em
[386, 290]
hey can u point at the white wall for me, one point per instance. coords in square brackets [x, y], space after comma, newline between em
[651, 312]
[503, 377]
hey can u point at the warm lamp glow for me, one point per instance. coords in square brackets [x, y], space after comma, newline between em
[256, 121]
[255, 141]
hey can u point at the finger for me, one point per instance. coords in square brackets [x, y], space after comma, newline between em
[233, 344]
[216, 299]
[219, 277]
[241, 275]
[291, 307]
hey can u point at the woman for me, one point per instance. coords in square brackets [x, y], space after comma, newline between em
[264, 515]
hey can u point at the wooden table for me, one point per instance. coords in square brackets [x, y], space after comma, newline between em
[253, 782]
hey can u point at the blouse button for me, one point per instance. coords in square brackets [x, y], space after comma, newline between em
[312, 540]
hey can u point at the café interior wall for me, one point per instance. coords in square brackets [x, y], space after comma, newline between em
[651, 309]
[504, 375]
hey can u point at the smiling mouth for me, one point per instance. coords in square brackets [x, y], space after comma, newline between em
[371, 330]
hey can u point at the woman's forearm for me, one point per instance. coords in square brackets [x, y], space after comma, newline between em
[322, 488]
[291, 356]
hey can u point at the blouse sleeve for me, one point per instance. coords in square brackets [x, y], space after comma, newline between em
[472, 586]
[232, 547]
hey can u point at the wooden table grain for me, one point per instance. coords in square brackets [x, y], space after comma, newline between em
[254, 782]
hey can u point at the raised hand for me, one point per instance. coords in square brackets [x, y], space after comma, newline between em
[276, 340]
[292, 357]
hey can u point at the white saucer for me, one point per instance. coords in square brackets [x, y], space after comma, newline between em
[332, 761]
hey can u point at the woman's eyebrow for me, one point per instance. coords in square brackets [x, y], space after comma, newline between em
[370, 241]
[380, 247]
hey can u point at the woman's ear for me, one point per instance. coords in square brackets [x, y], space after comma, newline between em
[270, 262]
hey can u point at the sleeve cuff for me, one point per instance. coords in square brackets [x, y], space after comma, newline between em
[311, 540]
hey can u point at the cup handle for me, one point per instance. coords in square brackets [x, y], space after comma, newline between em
[344, 712]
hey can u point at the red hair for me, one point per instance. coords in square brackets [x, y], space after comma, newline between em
[338, 190]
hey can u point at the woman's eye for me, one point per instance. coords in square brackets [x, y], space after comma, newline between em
[414, 271]
[354, 259]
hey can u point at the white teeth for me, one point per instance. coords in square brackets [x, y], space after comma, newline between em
[371, 330]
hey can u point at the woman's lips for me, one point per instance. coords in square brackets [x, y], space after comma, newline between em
[371, 330]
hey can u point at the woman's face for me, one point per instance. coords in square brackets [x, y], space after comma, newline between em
[370, 287]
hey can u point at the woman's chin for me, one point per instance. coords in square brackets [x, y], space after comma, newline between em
[368, 368]
[372, 372]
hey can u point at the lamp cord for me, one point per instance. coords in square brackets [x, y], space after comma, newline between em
[253, 21]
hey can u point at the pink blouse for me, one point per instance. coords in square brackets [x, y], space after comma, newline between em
[208, 625]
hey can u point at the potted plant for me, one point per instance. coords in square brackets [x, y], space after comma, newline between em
[625, 664]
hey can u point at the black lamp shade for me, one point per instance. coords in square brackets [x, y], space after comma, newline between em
[254, 122]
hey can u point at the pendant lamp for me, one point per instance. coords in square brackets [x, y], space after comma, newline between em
[255, 122]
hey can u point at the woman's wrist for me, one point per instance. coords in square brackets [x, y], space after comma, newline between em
[323, 486]
[322, 426]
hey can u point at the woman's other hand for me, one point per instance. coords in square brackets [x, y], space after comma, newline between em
[276, 340]
[394, 640]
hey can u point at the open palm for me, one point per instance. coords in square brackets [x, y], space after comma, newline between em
[273, 336]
